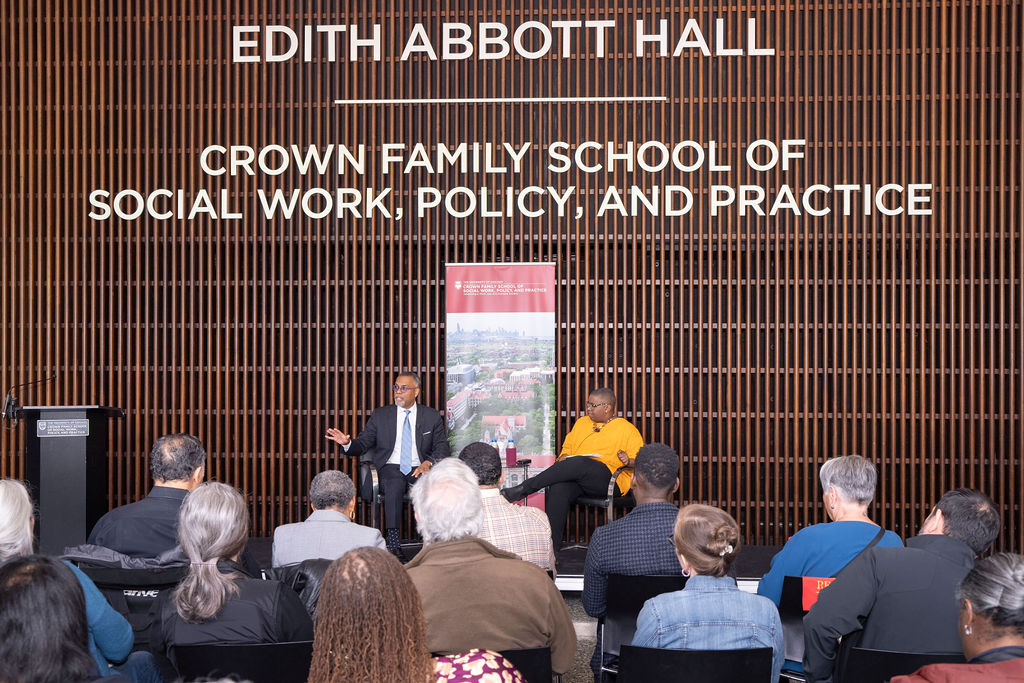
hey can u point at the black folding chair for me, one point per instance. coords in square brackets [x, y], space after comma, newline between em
[625, 598]
[647, 664]
[256, 662]
[791, 612]
[863, 665]
[534, 663]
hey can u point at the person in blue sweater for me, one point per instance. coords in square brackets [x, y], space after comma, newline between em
[110, 635]
[848, 483]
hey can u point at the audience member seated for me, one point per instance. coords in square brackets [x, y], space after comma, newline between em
[711, 612]
[150, 526]
[218, 602]
[991, 624]
[372, 628]
[518, 529]
[110, 637]
[475, 595]
[610, 442]
[902, 598]
[639, 543]
[329, 532]
[848, 485]
[42, 619]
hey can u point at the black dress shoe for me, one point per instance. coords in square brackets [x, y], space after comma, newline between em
[514, 493]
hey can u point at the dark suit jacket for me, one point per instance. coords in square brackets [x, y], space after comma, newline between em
[377, 440]
[902, 599]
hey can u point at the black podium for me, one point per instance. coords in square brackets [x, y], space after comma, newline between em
[66, 470]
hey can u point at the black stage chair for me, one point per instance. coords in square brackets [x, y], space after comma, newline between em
[370, 491]
[647, 664]
[863, 665]
[609, 502]
[626, 596]
[534, 663]
[256, 662]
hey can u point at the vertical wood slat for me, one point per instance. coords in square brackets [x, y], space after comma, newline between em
[758, 347]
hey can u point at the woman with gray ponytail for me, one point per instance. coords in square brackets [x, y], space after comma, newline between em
[991, 625]
[711, 612]
[218, 602]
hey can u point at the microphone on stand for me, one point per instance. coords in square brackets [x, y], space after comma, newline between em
[11, 402]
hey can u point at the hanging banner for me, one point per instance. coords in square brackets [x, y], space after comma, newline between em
[501, 361]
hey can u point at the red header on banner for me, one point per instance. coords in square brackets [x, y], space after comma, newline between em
[500, 288]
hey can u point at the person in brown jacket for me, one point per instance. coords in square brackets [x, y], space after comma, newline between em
[475, 595]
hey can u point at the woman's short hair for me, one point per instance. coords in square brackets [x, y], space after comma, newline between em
[447, 502]
[370, 624]
[708, 538]
[42, 619]
[16, 514]
[331, 488]
[213, 525]
[854, 477]
[995, 588]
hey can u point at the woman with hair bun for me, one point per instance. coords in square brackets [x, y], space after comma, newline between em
[217, 602]
[991, 626]
[711, 612]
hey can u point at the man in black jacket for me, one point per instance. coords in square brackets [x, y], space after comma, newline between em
[903, 598]
[150, 526]
[403, 440]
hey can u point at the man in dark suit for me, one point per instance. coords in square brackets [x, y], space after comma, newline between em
[403, 440]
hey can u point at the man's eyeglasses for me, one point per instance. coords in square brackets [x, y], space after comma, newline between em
[591, 406]
[402, 387]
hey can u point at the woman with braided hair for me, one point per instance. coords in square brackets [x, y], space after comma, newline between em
[711, 612]
[370, 627]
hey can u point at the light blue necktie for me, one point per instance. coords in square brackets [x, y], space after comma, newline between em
[405, 464]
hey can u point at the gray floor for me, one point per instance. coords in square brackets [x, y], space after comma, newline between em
[586, 629]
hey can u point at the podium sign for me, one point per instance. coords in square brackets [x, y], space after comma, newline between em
[66, 469]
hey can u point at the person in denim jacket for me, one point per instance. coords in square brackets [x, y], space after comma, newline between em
[711, 612]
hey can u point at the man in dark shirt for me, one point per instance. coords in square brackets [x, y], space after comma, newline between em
[903, 598]
[639, 543]
[150, 526]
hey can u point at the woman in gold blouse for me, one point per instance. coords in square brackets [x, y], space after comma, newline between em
[598, 444]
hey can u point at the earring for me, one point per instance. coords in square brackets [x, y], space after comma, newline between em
[968, 630]
[686, 573]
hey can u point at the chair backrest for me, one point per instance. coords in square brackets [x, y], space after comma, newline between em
[256, 662]
[626, 597]
[799, 593]
[645, 664]
[132, 593]
[305, 578]
[863, 665]
[534, 663]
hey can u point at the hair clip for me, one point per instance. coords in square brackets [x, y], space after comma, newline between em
[726, 550]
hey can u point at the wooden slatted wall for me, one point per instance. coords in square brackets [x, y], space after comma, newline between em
[757, 346]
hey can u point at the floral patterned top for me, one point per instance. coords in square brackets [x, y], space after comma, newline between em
[484, 666]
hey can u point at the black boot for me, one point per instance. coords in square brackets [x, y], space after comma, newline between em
[514, 493]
